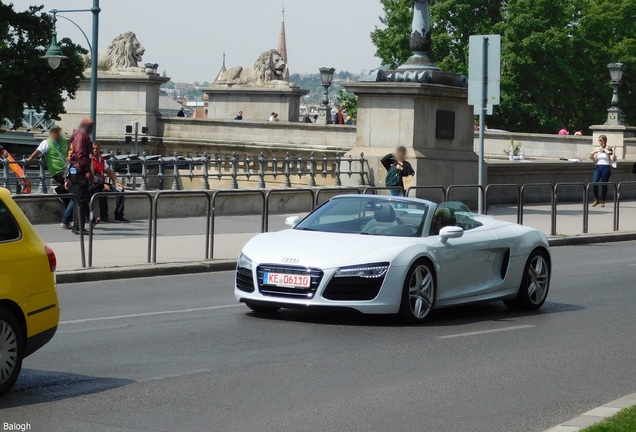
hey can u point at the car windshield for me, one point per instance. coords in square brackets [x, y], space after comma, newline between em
[368, 216]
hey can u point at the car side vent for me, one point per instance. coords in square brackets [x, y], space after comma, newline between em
[505, 263]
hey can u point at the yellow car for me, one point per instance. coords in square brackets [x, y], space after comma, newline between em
[29, 310]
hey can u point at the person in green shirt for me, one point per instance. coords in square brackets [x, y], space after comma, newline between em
[55, 153]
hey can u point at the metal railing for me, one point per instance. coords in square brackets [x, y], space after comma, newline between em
[313, 194]
[153, 172]
[91, 206]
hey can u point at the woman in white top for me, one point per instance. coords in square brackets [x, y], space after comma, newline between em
[603, 157]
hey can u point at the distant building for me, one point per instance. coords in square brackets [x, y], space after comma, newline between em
[169, 107]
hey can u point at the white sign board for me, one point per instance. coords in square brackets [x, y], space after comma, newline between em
[484, 57]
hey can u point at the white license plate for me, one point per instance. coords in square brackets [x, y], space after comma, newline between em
[286, 280]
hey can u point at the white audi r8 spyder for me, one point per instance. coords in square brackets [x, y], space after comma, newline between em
[393, 255]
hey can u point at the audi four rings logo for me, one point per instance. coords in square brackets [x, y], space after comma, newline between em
[290, 260]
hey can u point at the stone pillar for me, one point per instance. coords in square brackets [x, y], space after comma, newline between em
[434, 123]
[324, 115]
[121, 99]
[616, 136]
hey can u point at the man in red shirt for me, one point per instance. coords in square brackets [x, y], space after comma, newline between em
[339, 117]
[80, 172]
[101, 169]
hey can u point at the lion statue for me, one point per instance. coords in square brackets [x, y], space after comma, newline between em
[123, 54]
[269, 68]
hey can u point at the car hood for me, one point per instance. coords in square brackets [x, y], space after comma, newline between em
[324, 250]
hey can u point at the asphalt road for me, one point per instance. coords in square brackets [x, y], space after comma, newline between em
[176, 354]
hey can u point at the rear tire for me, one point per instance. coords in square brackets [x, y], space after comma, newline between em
[258, 308]
[535, 283]
[418, 293]
[12, 345]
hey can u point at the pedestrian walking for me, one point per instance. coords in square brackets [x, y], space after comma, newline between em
[604, 157]
[101, 170]
[55, 151]
[397, 168]
[239, 116]
[181, 113]
[80, 170]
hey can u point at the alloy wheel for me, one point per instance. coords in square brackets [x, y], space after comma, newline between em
[538, 279]
[421, 291]
[8, 351]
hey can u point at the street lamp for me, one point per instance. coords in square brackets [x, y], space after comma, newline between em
[614, 114]
[55, 56]
[326, 76]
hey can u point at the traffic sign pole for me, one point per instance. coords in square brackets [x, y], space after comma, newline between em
[482, 124]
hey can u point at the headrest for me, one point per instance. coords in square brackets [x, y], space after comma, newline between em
[385, 213]
[445, 216]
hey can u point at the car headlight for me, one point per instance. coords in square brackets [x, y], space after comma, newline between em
[244, 262]
[367, 271]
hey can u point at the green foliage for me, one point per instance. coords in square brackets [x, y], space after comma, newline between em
[624, 421]
[26, 78]
[392, 41]
[349, 104]
[554, 54]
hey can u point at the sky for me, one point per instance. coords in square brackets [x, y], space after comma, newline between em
[187, 38]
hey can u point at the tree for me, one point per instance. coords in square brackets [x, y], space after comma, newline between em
[392, 41]
[554, 54]
[349, 104]
[26, 78]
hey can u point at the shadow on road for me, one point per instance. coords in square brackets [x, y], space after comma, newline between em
[38, 386]
[453, 316]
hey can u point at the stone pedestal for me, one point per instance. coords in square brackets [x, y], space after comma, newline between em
[324, 116]
[257, 103]
[434, 123]
[616, 136]
[121, 100]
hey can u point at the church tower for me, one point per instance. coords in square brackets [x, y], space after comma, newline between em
[223, 69]
[282, 45]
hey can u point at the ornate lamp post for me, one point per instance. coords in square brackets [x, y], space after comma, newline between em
[55, 56]
[420, 38]
[326, 76]
[614, 114]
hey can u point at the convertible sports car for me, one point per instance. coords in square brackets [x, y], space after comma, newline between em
[392, 255]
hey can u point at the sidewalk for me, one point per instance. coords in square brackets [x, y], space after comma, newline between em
[183, 240]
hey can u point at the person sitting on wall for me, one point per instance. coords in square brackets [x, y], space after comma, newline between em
[239, 116]
[307, 118]
[339, 117]
[181, 113]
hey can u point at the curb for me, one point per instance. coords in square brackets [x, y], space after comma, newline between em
[142, 271]
[585, 239]
[596, 415]
[172, 269]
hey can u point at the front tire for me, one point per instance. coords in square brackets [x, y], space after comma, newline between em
[535, 283]
[418, 293]
[11, 349]
[261, 309]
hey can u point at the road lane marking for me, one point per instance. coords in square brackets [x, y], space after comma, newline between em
[146, 314]
[480, 332]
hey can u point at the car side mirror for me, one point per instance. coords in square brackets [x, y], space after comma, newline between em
[451, 232]
[292, 221]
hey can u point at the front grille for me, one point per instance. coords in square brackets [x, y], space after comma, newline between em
[244, 280]
[353, 288]
[297, 293]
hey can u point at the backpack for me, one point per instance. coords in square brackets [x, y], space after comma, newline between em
[393, 177]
